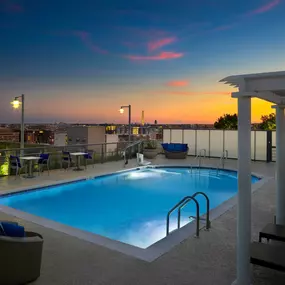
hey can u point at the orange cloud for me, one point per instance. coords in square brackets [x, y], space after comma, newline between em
[265, 8]
[178, 83]
[85, 37]
[161, 56]
[153, 45]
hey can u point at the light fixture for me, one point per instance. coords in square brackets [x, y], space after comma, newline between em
[16, 103]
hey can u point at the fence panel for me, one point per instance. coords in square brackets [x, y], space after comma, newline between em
[176, 136]
[261, 145]
[253, 138]
[216, 143]
[203, 140]
[231, 143]
[190, 139]
[274, 145]
[166, 136]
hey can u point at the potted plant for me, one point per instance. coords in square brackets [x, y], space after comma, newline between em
[150, 149]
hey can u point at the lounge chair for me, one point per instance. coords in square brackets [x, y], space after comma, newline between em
[175, 150]
[141, 161]
[267, 255]
[272, 232]
[21, 256]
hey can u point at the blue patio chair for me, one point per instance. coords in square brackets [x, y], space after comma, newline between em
[15, 164]
[43, 162]
[66, 159]
[89, 156]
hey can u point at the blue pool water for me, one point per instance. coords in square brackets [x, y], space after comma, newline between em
[130, 207]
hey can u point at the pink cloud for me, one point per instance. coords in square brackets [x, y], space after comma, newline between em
[265, 8]
[85, 37]
[153, 45]
[161, 56]
[191, 93]
[178, 83]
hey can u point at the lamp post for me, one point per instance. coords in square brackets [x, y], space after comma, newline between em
[16, 104]
[122, 111]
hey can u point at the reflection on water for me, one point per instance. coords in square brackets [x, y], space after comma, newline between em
[150, 232]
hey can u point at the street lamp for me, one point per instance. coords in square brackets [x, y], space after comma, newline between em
[122, 111]
[16, 104]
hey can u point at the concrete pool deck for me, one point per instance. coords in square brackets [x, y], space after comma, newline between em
[210, 259]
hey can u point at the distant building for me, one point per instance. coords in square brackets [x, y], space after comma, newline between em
[92, 137]
[9, 135]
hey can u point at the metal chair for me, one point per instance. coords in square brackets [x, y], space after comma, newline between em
[43, 162]
[89, 156]
[66, 159]
[15, 164]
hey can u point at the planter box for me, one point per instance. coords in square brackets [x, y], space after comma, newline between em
[150, 153]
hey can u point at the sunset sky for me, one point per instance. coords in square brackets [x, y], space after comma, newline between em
[79, 61]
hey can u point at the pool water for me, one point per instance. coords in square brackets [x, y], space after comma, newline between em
[130, 207]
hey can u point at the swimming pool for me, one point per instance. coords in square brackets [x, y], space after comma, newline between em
[130, 206]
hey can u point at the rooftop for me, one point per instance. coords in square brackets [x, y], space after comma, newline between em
[210, 259]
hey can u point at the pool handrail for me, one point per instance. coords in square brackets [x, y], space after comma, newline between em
[125, 155]
[224, 156]
[208, 223]
[185, 200]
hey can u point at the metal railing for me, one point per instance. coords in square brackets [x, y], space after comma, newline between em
[180, 205]
[221, 163]
[127, 153]
[103, 152]
[199, 158]
[187, 198]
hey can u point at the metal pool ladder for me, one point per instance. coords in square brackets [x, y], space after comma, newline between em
[224, 156]
[202, 153]
[180, 205]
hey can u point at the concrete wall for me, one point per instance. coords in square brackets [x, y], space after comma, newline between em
[96, 135]
[112, 147]
[60, 139]
[77, 135]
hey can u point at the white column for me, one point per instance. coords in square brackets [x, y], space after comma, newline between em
[244, 191]
[280, 165]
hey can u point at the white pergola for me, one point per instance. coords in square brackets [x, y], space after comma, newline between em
[270, 87]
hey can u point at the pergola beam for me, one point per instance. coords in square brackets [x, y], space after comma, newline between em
[264, 95]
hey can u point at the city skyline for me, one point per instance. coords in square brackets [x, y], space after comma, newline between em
[79, 62]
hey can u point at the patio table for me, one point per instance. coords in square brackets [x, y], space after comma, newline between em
[77, 155]
[30, 160]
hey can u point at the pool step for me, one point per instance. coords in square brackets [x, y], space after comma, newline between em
[203, 220]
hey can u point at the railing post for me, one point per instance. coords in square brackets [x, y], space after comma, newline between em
[268, 146]
[195, 142]
[209, 154]
[102, 153]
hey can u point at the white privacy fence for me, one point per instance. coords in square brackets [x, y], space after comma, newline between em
[217, 141]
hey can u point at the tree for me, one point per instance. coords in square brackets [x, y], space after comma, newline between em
[227, 122]
[268, 122]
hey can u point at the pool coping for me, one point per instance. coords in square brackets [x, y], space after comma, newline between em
[148, 254]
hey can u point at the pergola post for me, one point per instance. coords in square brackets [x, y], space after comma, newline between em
[244, 191]
[280, 170]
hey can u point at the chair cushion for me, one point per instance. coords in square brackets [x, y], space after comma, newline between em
[175, 147]
[11, 230]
